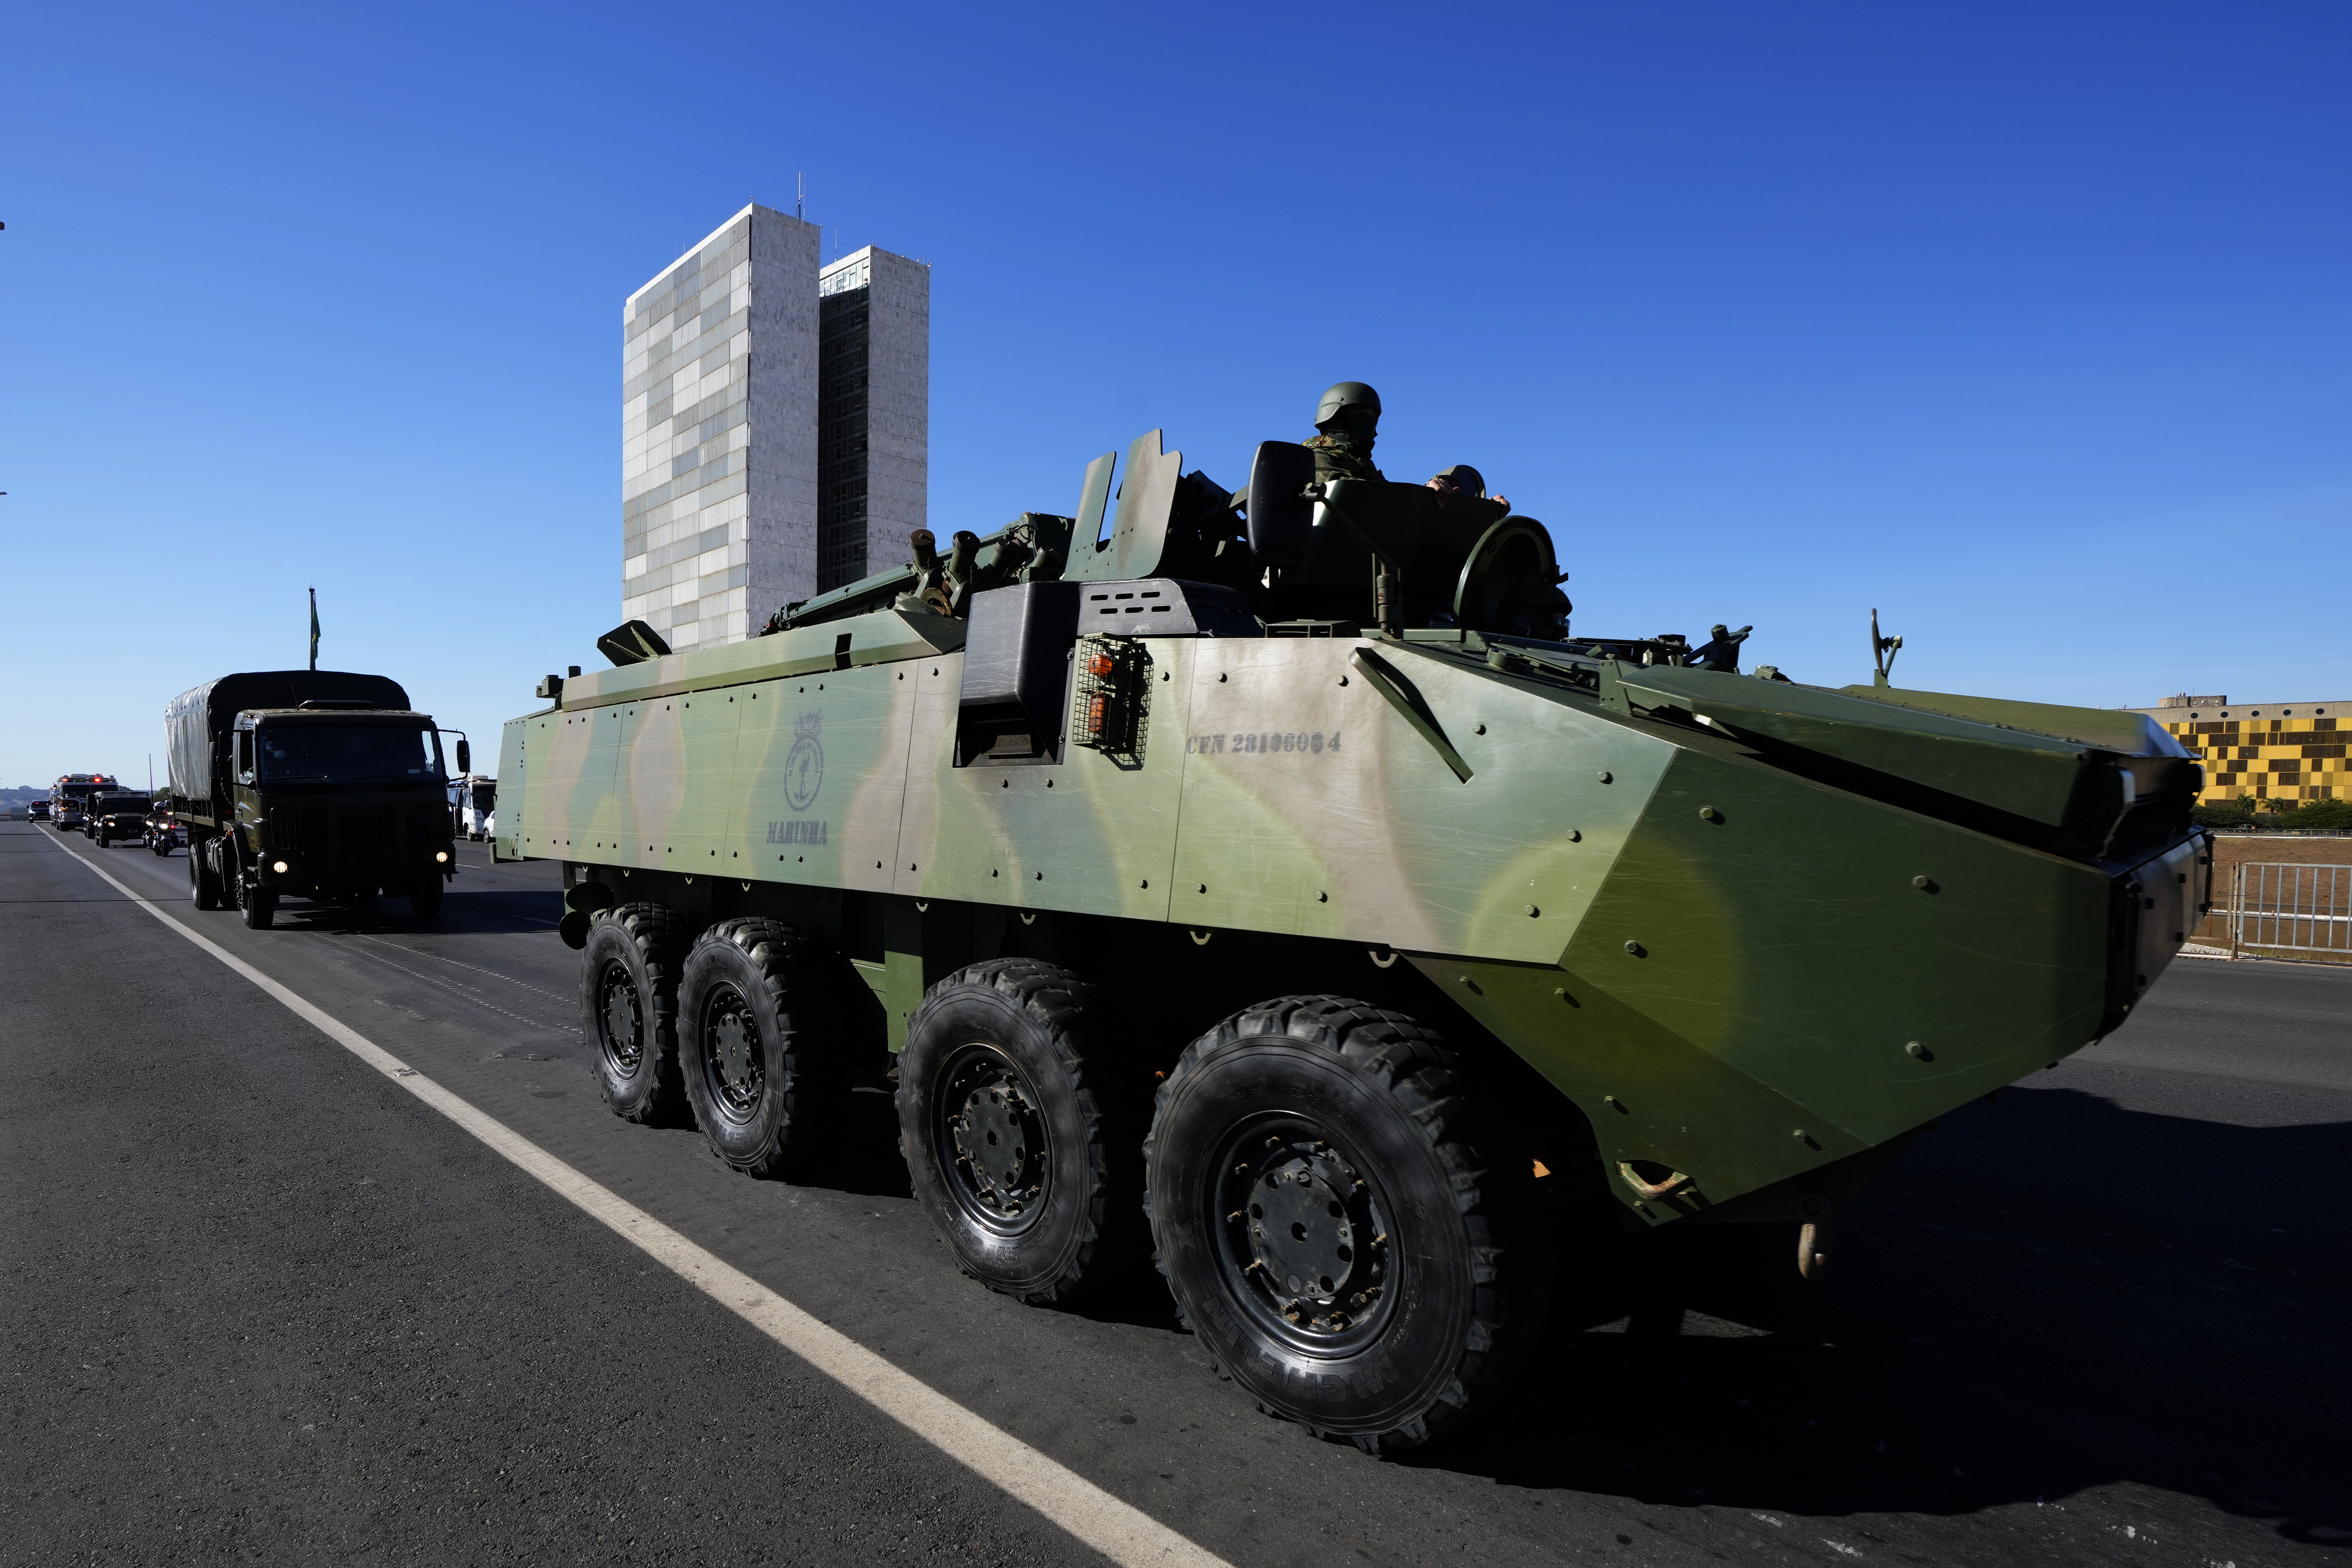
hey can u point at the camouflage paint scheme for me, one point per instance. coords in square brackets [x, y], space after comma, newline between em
[1735, 971]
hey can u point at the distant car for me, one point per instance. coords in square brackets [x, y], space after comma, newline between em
[36, 811]
[113, 817]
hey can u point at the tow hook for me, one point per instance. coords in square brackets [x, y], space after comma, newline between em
[1813, 1236]
[1673, 1183]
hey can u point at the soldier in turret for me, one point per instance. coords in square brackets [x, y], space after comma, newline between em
[1348, 422]
[1463, 481]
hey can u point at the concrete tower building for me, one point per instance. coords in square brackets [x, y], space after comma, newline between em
[874, 410]
[772, 442]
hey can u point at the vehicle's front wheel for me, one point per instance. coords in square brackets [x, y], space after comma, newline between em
[759, 1045]
[259, 905]
[1010, 1124]
[424, 895]
[1344, 1249]
[628, 974]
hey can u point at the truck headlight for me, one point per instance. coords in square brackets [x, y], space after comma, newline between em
[278, 867]
[440, 854]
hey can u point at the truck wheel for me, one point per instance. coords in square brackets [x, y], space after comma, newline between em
[1009, 1126]
[757, 1044]
[1329, 1232]
[259, 904]
[100, 837]
[424, 895]
[203, 883]
[628, 979]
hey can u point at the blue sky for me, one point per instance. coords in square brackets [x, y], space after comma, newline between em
[2027, 325]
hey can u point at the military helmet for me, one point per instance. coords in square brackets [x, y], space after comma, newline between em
[1464, 478]
[1343, 396]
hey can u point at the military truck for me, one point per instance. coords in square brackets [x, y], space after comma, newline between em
[1232, 882]
[117, 816]
[310, 783]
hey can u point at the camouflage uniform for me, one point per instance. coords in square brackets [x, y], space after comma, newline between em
[1337, 457]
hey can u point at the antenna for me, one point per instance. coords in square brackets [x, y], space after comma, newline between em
[800, 197]
[1882, 650]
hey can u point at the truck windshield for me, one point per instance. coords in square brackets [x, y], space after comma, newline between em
[346, 753]
[113, 803]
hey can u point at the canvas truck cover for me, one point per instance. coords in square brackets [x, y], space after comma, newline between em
[195, 722]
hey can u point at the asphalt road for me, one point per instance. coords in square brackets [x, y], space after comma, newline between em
[259, 1305]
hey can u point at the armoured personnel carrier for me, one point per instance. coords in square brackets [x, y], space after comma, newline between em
[1295, 888]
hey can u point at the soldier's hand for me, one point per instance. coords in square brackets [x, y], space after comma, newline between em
[1504, 502]
[1444, 489]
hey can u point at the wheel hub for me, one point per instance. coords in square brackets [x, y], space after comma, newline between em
[731, 1045]
[1304, 1245]
[622, 1043]
[1300, 1230]
[734, 1053]
[993, 1136]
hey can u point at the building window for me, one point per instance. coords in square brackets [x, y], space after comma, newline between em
[844, 335]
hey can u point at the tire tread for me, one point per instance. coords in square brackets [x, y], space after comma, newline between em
[782, 959]
[660, 936]
[1056, 999]
[1422, 1074]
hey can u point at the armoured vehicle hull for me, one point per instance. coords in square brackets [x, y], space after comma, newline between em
[1386, 923]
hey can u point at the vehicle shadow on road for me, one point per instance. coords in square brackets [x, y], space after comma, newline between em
[2050, 1294]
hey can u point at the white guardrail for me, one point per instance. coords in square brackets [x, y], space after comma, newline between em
[2292, 909]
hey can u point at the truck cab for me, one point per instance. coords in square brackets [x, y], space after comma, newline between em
[337, 801]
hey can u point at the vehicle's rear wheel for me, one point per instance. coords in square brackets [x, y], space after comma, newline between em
[628, 979]
[1011, 1127]
[424, 895]
[759, 1045]
[1342, 1248]
[203, 882]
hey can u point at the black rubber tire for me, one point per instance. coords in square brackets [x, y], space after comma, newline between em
[203, 887]
[1033, 1018]
[258, 906]
[767, 1112]
[1462, 1272]
[641, 947]
[100, 838]
[424, 895]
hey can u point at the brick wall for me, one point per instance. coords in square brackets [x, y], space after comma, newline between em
[2231, 850]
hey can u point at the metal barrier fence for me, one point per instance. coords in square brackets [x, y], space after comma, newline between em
[2291, 909]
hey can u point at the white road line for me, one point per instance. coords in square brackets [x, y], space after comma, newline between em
[1123, 1534]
